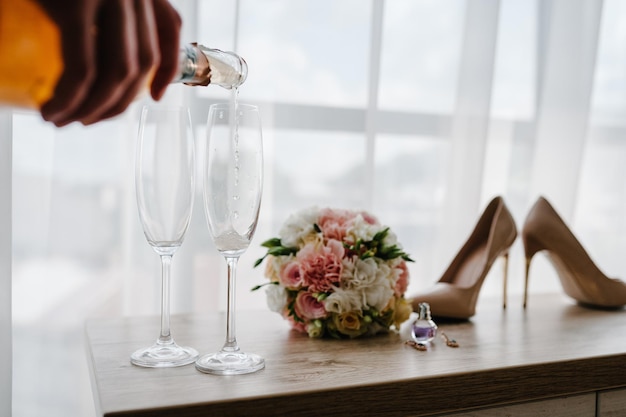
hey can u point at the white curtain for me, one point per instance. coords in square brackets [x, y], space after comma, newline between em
[420, 111]
[565, 100]
[471, 117]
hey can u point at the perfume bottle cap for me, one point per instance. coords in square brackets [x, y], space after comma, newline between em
[424, 311]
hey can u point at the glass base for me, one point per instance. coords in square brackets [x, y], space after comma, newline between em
[163, 356]
[230, 363]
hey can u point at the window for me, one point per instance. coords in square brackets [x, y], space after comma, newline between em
[360, 105]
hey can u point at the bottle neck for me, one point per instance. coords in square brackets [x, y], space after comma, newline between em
[199, 65]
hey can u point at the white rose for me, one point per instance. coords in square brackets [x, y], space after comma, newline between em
[380, 289]
[391, 239]
[276, 298]
[360, 273]
[298, 226]
[378, 296]
[396, 271]
[371, 280]
[360, 229]
[273, 266]
[343, 301]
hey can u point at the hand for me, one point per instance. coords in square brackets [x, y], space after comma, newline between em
[110, 48]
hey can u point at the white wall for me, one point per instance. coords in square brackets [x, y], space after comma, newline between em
[5, 263]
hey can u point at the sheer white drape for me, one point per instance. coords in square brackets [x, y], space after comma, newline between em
[565, 100]
[470, 119]
[420, 111]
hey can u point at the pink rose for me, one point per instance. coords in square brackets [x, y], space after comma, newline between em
[297, 325]
[291, 275]
[321, 266]
[307, 307]
[334, 223]
[403, 279]
[369, 219]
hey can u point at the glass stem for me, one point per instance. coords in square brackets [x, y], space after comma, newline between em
[165, 338]
[231, 339]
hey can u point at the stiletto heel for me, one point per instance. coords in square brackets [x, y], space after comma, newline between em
[526, 282]
[531, 247]
[456, 293]
[544, 230]
[505, 274]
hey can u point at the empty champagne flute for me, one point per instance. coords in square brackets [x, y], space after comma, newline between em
[164, 181]
[233, 185]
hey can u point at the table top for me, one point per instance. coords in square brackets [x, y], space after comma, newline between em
[553, 348]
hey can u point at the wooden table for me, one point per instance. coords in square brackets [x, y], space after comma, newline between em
[555, 348]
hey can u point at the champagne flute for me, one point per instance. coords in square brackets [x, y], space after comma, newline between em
[164, 180]
[233, 183]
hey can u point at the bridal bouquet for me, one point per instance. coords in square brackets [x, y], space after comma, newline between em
[337, 273]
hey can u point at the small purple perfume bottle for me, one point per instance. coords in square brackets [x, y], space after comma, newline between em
[424, 328]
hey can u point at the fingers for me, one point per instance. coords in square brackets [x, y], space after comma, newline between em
[147, 54]
[117, 67]
[110, 48]
[78, 36]
[168, 24]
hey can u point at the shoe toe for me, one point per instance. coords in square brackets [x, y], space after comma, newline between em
[445, 300]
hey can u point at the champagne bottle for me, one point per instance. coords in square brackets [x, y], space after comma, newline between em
[31, 61]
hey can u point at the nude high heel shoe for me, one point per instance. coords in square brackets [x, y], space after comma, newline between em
[455, 294]
[544, 230]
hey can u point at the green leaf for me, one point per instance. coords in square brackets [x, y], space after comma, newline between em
[281, 251]
[270, 243]
[381, 235]
[257, 287]
[321, 296]
[274, 249]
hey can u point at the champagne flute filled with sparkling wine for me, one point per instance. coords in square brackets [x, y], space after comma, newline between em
[233, 185]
